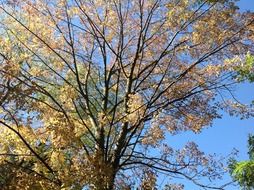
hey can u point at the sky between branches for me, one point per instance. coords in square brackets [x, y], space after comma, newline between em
[227, 133]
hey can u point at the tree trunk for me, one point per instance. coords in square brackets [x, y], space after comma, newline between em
[105, 182]
[110, 185]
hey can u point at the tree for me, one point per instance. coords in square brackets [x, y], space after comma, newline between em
[90, 89]
[242, 172]
[246, 72]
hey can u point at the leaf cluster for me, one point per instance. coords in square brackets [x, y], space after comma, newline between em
[243, 171]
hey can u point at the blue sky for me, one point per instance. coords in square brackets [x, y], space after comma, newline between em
[246, 4]
[224, 136]
[226, 133]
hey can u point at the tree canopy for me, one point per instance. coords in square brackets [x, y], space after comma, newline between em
[91, 90]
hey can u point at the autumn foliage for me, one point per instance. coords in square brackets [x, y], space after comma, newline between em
[90, 90]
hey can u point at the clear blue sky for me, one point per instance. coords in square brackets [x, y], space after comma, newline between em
[227, 133]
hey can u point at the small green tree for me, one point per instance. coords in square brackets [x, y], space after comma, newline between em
[243, 172]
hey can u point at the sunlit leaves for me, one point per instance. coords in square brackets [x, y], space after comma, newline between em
[246, 70]
[93, 86]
